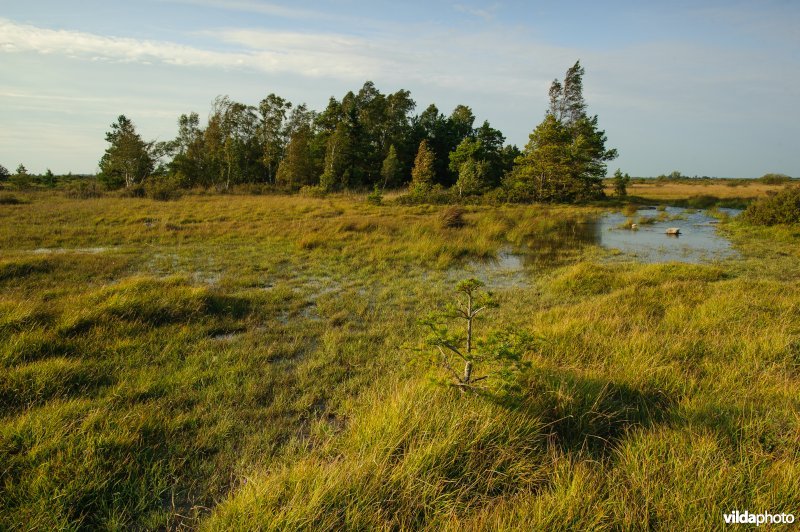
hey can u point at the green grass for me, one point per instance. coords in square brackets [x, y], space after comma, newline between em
[245, 362]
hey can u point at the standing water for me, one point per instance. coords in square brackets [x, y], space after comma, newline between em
[698, 241]
[561, 242]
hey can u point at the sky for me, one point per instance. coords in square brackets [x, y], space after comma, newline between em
[702, 87]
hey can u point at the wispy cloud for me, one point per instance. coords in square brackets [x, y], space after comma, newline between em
[275, 10]
[252, 6]
[487, 14]
[16, 37]
[441, 59]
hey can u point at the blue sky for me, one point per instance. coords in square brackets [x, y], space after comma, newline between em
[707, 88]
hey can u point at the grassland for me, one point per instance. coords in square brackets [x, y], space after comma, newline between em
[701, 193]
[246, 362]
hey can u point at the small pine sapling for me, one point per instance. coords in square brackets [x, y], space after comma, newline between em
[492, 361]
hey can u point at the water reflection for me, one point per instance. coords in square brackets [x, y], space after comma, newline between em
[699, 240]
[560, 241]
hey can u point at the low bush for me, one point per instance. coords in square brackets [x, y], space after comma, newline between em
[134, 191]
[10, 199]
[83, 190]
[780, 208]
[375, 197]
[313, 191]
[162, 189]
[774, 179]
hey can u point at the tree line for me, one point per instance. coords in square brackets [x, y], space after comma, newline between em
[371, 140]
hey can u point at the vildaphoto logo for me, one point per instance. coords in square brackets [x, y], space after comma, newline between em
[746, 518]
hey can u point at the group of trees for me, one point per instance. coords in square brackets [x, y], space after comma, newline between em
[24, 179]
[365, 139]
[369, 139]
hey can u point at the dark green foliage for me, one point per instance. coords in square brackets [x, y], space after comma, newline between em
[675, 175]
[297, 168]
[774, 179]
[621, 182]
[364, 139]
[375, 197]
[21, 178]
[565, 159]
[4, 173]
[162, 189]
[780, 208]
[127, 161]
[49, 179]
[273, 133]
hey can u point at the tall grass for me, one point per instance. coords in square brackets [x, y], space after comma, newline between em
[244, 362]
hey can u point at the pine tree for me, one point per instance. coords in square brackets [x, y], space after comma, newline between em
[49, 179]
[21, 178]
[127, 161]
[621, 183]
[565, 159]
[423, 174]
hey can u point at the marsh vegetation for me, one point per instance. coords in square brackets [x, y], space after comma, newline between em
[236, 362]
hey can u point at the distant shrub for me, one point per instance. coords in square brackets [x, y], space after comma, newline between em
[496, 196]
[162, 189]
[452, 217]
[83, 190]
[375, 197]
[134, 191]
[774, 179]
[313, 191]
[630, 209]
[254, 189]
[780, 208]
[702, 201]
[436, 195]
[10, 199]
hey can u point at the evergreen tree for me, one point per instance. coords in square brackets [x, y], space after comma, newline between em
[4, 173]
[565, 159]
[127, 160]
[49, 179]
[621, 183]
[542, 172]
[423, 174]
[21, 178]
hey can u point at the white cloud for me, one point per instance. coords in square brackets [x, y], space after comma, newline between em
[441, 59]
[251, 6]
[26, 38]
[485, 14]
